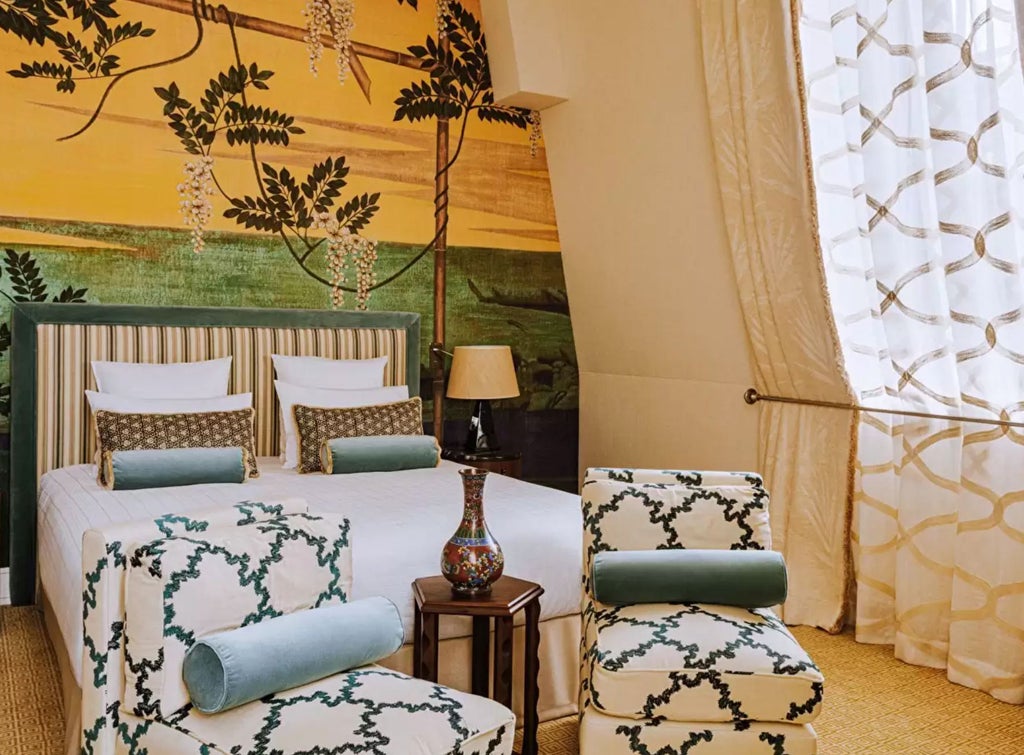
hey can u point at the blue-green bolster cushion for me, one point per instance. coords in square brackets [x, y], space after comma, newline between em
[379, 453]
[749, 579]
[166, 467]
[232, 668]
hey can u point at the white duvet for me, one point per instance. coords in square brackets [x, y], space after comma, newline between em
[400, 521]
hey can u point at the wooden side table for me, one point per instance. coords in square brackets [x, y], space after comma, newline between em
[434, 597]
[509, 464]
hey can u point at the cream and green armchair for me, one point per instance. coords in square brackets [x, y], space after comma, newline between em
[151, 588]
[687, 678]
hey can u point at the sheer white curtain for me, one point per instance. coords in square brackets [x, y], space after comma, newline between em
[915, 113]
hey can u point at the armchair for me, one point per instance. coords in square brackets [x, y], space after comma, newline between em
[687, 678]
[152, 587]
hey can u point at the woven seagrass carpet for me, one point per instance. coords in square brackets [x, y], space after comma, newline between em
[874, 704]
[30, 704]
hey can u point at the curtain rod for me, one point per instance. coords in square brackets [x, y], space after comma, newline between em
[752, 396]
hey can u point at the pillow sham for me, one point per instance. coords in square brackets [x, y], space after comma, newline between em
[173, 467]
[288, 395]
[172, 380]
[336, 374]
[130, 431]
[317, 424]
[112, 402]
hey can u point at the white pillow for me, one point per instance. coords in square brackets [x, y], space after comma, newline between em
[132, 404]
[288, 395]
[173, 380]
[337, 374]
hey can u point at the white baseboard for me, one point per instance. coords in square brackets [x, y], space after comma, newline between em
[5, 586]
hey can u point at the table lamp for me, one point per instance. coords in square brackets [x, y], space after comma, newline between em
[482, 373]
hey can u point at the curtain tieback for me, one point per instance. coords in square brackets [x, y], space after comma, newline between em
[752, 396]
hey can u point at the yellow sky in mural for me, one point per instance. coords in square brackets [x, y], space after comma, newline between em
[124, 169]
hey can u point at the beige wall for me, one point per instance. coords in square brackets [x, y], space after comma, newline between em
[663, 353]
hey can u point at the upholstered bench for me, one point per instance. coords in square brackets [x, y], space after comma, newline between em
[154, 587]
[687, 677]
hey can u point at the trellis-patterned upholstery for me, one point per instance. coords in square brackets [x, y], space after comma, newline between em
[661, 736]
[687, 677]
[369, 710]
[256, 571]
[142, 580]
[104, 563]
[65, 350]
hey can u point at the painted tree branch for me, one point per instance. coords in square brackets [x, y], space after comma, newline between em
[360, 74]
[283, 31]
[193, 10]
[246, 209]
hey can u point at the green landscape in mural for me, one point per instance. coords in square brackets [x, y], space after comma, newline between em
[494, 295]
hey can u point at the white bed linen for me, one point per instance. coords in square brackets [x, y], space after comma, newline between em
[400, 521]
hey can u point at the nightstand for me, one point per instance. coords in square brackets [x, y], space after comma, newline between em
[434, 598]
[509, 463]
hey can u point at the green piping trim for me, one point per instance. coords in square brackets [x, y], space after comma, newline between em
[24, 348]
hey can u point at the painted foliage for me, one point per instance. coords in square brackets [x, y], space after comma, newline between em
[271, 153]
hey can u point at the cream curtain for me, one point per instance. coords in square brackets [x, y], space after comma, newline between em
[915, 111]
[768, 205]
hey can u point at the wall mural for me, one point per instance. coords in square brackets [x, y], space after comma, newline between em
[182, 153]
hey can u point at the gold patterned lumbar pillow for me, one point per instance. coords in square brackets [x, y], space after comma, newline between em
[318, 424]
[127, 431]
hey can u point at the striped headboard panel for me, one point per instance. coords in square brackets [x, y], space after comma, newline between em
[65, 351]
[54, 344]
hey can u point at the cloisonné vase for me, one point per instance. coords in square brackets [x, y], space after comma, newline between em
[472, 560]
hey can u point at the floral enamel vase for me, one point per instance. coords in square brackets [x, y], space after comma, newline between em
[472, 560]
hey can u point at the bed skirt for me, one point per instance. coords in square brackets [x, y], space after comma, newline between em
[558, 679]
[71, 693]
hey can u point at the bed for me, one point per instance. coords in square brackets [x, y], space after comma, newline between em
[399, 519]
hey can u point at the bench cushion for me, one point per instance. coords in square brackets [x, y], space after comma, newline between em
[366, 710]
[604, 734]
[699, 662]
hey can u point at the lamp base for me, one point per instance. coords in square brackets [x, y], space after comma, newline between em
[480, 437]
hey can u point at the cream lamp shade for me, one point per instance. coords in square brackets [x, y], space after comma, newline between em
[482, 372]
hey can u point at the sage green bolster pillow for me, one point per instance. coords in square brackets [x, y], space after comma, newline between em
[232, 668]
[379, 453]
[166, 467]
[749, 579]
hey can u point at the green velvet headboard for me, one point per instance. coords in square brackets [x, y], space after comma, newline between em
[53, 344]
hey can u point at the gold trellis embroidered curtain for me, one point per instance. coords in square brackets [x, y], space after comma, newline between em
[914, 133]
[915, 111]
